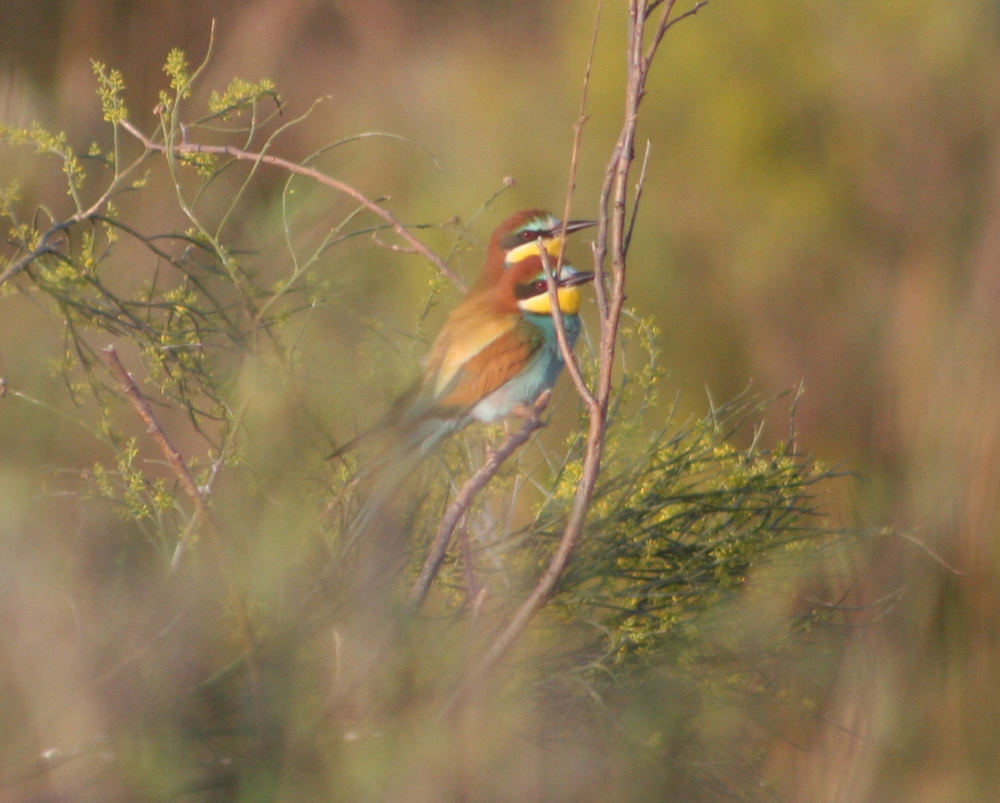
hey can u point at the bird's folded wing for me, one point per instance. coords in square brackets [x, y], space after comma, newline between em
[498, 362]
[466, 333]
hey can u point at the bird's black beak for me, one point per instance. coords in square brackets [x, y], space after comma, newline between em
[575, 225]
[580, 277]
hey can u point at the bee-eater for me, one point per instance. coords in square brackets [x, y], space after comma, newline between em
[496, 353]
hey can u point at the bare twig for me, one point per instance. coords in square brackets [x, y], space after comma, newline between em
[439, 546]
[569, 359]
[318, 176]
[565, 349]
[667, 22]
[640, 184]
[930, 553]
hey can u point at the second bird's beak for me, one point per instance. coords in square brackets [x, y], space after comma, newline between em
[579, 277]
[574, 225]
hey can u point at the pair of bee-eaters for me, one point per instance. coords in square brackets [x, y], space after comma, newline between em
[496, 354]
[498, 350]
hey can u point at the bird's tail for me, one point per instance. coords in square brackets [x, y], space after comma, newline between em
[377, 535]
[382, 488]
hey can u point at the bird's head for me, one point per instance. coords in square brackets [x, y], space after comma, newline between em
[532, 289]
[522, 237]
[525, 234]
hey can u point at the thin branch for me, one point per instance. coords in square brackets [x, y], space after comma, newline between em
[155, 431]
[565, 349]
[460, 505]
[639, 186]
[673, 21]
[581, 120]
[930, 553]
[40, 250]
[318, 176]
[44, 245]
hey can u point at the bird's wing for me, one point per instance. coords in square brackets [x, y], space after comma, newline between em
[466, 334]
[481, 374]
[490, 367]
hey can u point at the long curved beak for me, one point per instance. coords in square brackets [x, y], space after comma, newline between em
[579, 277]
[575, 225]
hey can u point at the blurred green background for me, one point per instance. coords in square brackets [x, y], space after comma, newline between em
[822, 205]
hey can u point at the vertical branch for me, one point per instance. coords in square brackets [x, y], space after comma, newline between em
[569, 359]
[611, 239]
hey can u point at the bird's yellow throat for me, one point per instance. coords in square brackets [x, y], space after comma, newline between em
[569, 302]
[531, 249]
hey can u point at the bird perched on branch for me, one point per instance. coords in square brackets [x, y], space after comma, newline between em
[496, 354]
[498, 351]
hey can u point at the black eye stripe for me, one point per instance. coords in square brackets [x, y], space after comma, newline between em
[534, 288]
[519, 238]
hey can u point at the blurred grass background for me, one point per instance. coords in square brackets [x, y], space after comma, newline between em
[822, 204]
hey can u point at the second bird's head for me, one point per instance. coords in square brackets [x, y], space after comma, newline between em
[532, 291]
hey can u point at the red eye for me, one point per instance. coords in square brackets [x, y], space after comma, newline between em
[541, 285]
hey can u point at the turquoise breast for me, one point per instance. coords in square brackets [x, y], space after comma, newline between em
[539, 375]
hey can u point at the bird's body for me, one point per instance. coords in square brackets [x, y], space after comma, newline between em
[496, 353]
[498, 349]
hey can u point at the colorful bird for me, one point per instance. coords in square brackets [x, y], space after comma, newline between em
[498, 350]
[495, 355]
